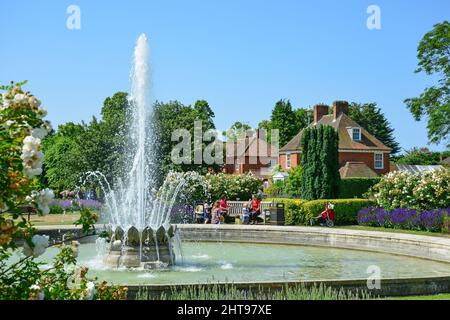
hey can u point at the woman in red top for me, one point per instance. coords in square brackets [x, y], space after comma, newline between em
[223, 206]
[255, 209]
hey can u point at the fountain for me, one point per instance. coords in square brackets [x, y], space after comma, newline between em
[139, 218]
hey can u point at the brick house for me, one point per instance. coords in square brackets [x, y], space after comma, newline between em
[360, 153]
[252, 154]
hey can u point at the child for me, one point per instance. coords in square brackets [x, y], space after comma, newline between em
[216, 214]
[206, 213]
[245, 216]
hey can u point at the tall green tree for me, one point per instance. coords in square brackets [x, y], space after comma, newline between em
[371, 118]
[433, 54]
[98, 146]
[63, 162]
[174, 115]
[288, 121]
[282, 119]
[237, 131]
[422, 156]
[320, 165]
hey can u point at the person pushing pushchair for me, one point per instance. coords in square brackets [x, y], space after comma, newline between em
[327, 216]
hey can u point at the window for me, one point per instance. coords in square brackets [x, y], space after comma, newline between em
[379, 163]
[288, 160]
[356, 134]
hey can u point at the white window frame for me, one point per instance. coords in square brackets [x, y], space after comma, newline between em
[359, 134]
[288, 156]
[375, 160]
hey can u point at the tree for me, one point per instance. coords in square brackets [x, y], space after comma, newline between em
[174, 115]
[301, 119]
[237, 130]
[289, 122]
[283, 118]
[320, 165]
[422, 156]
[370, 117]
[293, 181]
[97, 146]
[433, 54]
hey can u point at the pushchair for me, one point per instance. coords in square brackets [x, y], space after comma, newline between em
[326, 217]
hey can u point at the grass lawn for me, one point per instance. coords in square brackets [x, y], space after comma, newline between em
[422, 233]
[445, 296]
[54, 219]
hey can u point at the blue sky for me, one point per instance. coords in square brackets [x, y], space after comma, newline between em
[240, 55]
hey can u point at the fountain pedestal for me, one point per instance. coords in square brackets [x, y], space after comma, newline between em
[149, 249]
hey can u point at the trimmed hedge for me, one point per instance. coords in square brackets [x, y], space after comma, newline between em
[300, 212]
[356, 187]
[292, 210]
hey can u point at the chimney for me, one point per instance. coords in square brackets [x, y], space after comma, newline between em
[339, 107]
[320, 110]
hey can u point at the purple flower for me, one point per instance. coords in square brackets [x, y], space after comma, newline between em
[89, 203]
[64, 204]
[402, 216]
[405, 218]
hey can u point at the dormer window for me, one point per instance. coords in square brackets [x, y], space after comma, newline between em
[356, 134]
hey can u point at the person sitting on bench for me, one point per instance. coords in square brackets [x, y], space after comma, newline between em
[255, 209]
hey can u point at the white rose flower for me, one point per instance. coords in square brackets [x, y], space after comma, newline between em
[20, 97]
[34, 101]
[74, 246]
[41, 113]
[39, 133]
[37, 289]
[90, 291]
[32, 157]
[44, 197]
[40, 245]
[9, 123]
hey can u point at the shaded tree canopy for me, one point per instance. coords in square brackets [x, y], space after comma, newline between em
[422, 156]
[433, 103]
[371, 118]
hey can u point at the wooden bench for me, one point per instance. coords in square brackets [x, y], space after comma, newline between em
[235, 209]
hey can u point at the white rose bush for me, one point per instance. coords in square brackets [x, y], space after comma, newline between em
[419, 201]
[22, 128]
[234, 187]
[420, 191]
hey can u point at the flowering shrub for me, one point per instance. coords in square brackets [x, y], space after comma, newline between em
[421, 191]
[411, 219]
[21, 129]
[235, 187]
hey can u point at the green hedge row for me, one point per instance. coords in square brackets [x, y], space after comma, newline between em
[355, 187]
[300, 212]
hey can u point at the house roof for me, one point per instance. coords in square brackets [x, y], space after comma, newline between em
[357, 170]
[341, 124]
[446, 161]
[251, 147]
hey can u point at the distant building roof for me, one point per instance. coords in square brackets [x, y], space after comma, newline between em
[446, 161]
[357, 170]
[342, 123]
[254, 146]
[280, 176]
[411, 168]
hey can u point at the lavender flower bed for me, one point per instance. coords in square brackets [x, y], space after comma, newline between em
[72, 205]
[402, 218]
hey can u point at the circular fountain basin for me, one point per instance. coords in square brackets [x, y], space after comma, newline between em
[206, 262]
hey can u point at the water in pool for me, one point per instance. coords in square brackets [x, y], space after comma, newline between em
[238, 262]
